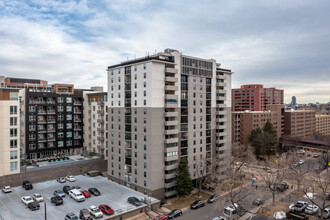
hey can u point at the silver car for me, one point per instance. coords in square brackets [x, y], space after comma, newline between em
[59, 193]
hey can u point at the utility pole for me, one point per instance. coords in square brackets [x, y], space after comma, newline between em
[45, 210]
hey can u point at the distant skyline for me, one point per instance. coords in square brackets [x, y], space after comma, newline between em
[277, 43]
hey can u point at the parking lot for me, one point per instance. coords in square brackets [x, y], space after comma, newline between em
[112, 194]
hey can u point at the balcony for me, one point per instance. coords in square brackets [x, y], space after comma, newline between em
[51, 121]
[42, 112]
[167, 96]
[171, 79]
[51, 112]
[77, 120]
[221, 119]
[221, 112]
[100, 112]
[221, 84]
[101, 139]
[173, 131]
[51, 130]
[222, 98]
[100, 121]
[41, 131]
[171, 105]
[171, 149]
[171, 123]
[221, 76]
[77, 103]
[171, 184]
[77, 112]
[77, 129]
[51, 139]
[171, 70]
[222, 141]
[170, 193]
[171, 114]
[171, 167]
[42, 139]
[101, 103]
[77, 137]
[221, 105]
[171, 140]
[170, 176]
[172, 158]
[100, 130]
[171, 88]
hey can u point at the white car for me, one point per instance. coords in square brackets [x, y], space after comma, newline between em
[37, 197]
[311, 209]
[70, 178]
[94, 211]
[77, 195]
[301, 162]
[219, 218]
[27, 199]
[6, 189]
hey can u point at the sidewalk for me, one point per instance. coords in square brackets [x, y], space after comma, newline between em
[267, 203]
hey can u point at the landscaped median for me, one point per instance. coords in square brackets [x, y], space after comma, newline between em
[185, 202]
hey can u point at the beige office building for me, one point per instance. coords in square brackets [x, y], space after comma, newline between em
[322, 125]
[245, 121]
[9, 132]
[162, 108]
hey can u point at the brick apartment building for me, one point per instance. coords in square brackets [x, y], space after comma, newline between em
[322, 125]
[255, 97]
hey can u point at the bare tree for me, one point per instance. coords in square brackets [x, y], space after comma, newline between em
[203, 166]
[240, 155]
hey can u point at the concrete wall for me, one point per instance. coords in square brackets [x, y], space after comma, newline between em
[44, 174]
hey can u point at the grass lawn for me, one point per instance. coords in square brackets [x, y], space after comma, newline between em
[183, 202]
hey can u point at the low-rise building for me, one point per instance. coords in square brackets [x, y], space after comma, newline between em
[322, 125]
[299, 123]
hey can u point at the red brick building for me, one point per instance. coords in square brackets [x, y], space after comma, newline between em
[255, 97]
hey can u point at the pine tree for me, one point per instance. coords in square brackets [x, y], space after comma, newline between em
[183, 180]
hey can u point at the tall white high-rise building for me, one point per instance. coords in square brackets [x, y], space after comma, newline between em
[162, 108]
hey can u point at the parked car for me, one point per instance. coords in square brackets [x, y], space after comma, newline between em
[258, 202]
[301, 151]
[34, 205]
[160, 217]
[326, 213]
[213, 198]
[70, 178]
[197, 204]
[219, 218]
[57, 200]
[94, 191]
[282, 187]
[59, 193]
[38, 197]
[27, 185]
[66, 189]
[94, 211]
[233, 211]
[316, 155]
[76, 195]
[86, 193]
[84, 214]
[311, 209]
[327, 196]
[301, 162]
[26, 199]
[76, 187]
[134, 201]
[71, 216]
[174, 213]
[300, 206]
[6, 189]
[106, 209]
[61, 180]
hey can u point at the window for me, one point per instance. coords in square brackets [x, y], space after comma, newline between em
[144, 93]
[145, 174]
[60, 126]
[13, 166]
[60, 135]
[13, 154]
[135, 85]
[145, 102]
[144, 75]
[145, 147]
[144, 66]
[144, 84]
[13, 143]
[119, 79]
[145, 111]
[13, 121]
[68, 99]
[69, 108]
[60, 143]
[69, 126]
[13, 132]
[60, 108]
[69, 134]
[68, 117]
[135, 76]
[13, 110]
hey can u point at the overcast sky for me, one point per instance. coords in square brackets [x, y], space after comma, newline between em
[281, 43]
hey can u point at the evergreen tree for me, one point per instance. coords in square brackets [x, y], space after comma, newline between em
[183, 180]
[263, 140]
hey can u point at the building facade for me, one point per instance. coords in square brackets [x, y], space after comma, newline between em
[244, 122]
[162, 108]
[96, 122]
[255, 97]
[52, 120]
[20, 83]
[299, 123]
[9, 132]
[322, 125]
[293, 101]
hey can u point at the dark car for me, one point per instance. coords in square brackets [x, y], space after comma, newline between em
[57, 200]
[106, 209]
[76, 187]
[61, 180]
[34, 205]
[213, 198]
[27, 185]
[174, 213]
[84, 214]
[282, 187]
[134, 201]
[197, 204]
[71, 216]
[66, 189]
[258, 202]
[94, 191]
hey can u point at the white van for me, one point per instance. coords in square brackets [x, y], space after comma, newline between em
[231, 211]
[76, 195]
